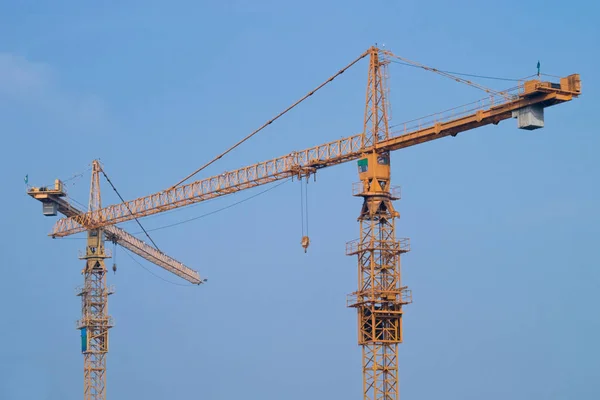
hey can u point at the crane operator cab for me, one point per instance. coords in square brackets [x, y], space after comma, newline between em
[374, 172]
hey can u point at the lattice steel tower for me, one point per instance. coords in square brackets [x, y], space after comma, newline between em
[95, 322]
[380, 295]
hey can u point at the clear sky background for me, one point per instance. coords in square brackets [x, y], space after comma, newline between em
[503, 222]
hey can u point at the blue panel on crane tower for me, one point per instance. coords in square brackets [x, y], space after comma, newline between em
[83, 340]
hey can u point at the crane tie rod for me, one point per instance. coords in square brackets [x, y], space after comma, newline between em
[341, 71]
[448, 75]
[136, 220]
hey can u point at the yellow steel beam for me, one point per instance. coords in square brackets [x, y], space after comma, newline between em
[128, 241]
[488, 111]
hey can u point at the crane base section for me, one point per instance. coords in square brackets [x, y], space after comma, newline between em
[530, 117]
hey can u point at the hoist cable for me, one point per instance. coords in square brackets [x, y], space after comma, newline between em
[302, 205]
[306, 204]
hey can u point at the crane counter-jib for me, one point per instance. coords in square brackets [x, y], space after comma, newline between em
[527, 106]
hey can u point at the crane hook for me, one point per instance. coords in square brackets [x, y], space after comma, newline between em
[304, 208]
[305, 242]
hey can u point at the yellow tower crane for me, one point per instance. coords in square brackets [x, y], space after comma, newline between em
[95, 321]
[380, 295]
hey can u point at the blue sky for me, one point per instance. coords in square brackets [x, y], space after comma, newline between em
[503, 222]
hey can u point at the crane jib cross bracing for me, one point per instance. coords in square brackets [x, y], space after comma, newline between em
[116, 234]
[530, 98]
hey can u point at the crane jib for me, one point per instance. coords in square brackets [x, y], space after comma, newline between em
[532, 96]
[53, 197]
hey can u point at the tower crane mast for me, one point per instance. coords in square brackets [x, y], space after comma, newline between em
[380, 295]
